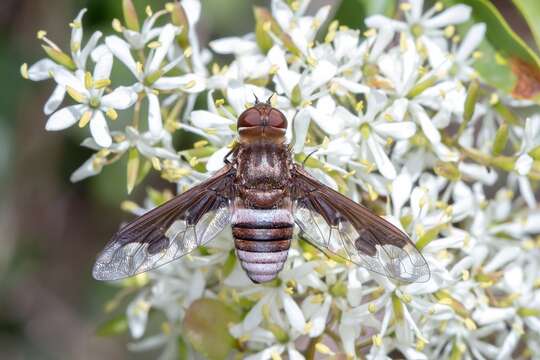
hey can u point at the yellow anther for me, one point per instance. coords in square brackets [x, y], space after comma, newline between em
[323, 349]
[156, 163]
[405, 6]
[359, 107]
[75, 95]
[112, 114]
[88, 80]
[75, 24]
[117, 25]
[470, 324]
[449, 31]
[102, 83]
[154, 44]
[148, 10]
[199, 144]
[370, 32]
[190, 84]
[140, 67]
[377, 340]
[85, 118]
[24, 71]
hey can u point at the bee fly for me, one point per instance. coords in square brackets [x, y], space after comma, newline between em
[263, 194]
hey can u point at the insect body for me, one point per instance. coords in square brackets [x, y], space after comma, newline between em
[263, 195]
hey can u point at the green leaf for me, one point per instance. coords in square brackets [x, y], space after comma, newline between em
[352, 13]
[530, 9]
[132, 169]
[206, 326]
[499, 32]
[507, 63]
[115, 326]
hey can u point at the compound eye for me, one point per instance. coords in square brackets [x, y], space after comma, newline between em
[249, 118]
[277, 119]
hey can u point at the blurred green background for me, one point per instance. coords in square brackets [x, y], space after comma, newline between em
[51, 229]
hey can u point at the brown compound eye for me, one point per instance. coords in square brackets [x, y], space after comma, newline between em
[249, 118]
[277, 119]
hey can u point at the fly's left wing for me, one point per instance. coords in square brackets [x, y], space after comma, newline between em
[169, 231]
[336, 223]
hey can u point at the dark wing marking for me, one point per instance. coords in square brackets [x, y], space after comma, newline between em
[169, 231]
[350, 230]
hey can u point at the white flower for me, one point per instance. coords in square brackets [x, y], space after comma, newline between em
[93, 103]
[45, 68]
[150, 75]
[301, 29]
[425, 26]
[148, 31]
[374, 131]
[393, 102]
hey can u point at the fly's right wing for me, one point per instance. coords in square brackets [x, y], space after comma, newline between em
[169, 231]
[336, 223]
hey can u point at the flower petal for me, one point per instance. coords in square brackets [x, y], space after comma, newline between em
[65, 117]
[165, 40]
[120, 98]
[453, 15]
[380, 21]
[294, 314]
[396, 130]
[401, 192]
[427, 126]
[233, 45]
[103, 67]
[54, 100]
[88, 49]
[122, 51]
[385, 166]
[524, 164]
[471, 41]
[215, 162]
[67, 78]
[527, 192]
[323, 72]
[205, 119]
[89, 168]
[42, 70]
[155, 124]
[301, 124]
[190, 83]
[77, 30]
[100, 130]
[137, 315]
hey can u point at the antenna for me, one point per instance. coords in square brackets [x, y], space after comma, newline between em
[270, 98]
[256, 98]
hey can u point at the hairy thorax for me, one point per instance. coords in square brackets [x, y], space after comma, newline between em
[263, 170]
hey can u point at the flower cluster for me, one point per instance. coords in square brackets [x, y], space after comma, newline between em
[401, 121]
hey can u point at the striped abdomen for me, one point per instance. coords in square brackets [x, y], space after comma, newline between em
[262, 238]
